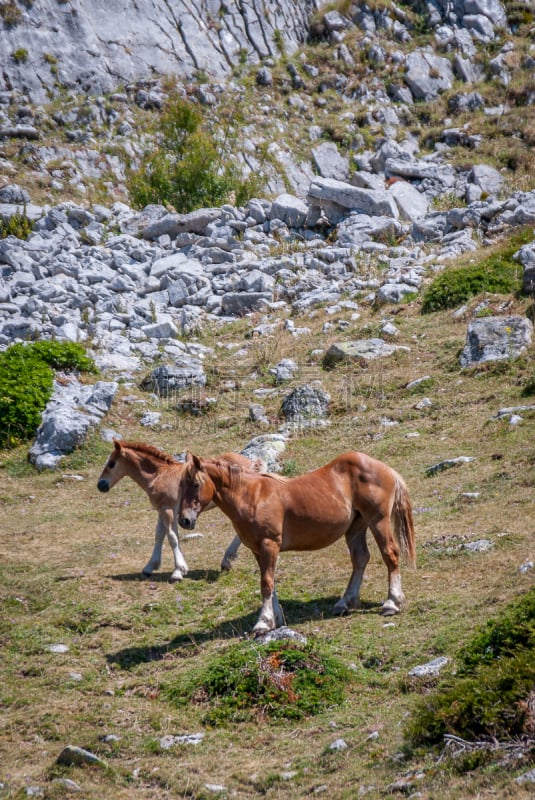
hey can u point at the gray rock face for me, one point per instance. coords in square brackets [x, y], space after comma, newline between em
[93, 47]
[496, 339]
[327, 192]
[167, 380]
[361, 349]
[427, 75]
[306, 406]
[71, 412]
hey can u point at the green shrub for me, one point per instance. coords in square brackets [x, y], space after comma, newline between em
[497, 273]
[20, 55]
[278, 680]
[190, 169]
[18, 225]
[487, 697]
[26, 381]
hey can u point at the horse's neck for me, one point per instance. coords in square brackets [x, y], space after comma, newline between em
[137, 474]
[232, 500]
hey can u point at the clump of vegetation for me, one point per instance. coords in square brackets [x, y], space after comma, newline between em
[190, 168]
[20, 55]
[498, 273]
[27, 379]
[18, 225]
[488, 698]
[10, 13]
[253, 681]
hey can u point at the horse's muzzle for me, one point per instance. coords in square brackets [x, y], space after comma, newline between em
[103, 485]
[188, 523]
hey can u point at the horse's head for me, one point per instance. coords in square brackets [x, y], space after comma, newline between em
[196, 492]
[114, 469]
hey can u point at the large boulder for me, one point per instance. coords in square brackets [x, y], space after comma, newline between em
[71, 413]
[496, 339]
[359, 350]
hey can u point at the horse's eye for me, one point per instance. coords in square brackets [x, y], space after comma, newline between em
[111, 464]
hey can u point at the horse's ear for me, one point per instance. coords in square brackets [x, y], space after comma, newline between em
[197, 462]
[117, 445]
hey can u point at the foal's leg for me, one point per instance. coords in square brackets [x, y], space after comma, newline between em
[360, 555]
[155, 560]
[271, 615]
[168, 516]
[231, 554]
[382, 532]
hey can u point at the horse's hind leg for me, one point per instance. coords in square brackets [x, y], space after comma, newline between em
[231, 554]
[360, 555]
[155, 560]
[382, 532]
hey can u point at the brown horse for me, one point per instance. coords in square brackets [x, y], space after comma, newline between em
[159, 475]
[270, 513]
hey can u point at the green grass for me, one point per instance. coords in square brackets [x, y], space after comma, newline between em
[497, 273]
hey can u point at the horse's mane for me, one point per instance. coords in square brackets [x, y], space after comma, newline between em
[151, 451]
[235, 471]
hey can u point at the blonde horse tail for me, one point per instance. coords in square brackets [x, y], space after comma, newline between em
[403, 521]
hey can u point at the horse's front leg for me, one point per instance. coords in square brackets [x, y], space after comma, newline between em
[271, 615]
[155, 560]
[360, 555]
[231, 554]
[382, 532]
[168, 516]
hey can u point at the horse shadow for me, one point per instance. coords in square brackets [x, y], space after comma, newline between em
[205, 575]
[240, 627]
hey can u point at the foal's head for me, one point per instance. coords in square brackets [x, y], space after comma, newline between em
[114, 468]
[196, 492]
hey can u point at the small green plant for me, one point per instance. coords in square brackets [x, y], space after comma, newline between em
[488, 696]
[290, 468]
[26, 380]
[277, 680]
[20, 56]
[18, 225]
[497, 273]
[191, 168]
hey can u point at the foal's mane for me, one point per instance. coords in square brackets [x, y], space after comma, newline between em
[150, 451]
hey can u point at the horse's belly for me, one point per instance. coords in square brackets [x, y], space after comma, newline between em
[313, 534]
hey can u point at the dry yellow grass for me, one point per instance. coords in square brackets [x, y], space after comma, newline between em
[71, 560]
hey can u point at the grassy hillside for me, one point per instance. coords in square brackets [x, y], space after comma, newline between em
[72, 557]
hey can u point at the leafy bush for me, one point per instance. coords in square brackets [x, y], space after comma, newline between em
[497, 273]
[27, 379]
[18, 225]
[191, 168]
[488, 697]
[278, 680]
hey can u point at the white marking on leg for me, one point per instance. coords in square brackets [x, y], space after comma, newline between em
[155, 560]
[396, 598]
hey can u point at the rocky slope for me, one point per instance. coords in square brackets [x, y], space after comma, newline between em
[390, 152]
[95, 47]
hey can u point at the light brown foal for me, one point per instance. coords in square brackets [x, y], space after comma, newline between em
[271, 514]
[158, 474]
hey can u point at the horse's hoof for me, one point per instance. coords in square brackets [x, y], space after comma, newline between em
[176, 577]
[226, 566]
[145, 573]
[389, 608]
[340, 609]
[263, 627]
